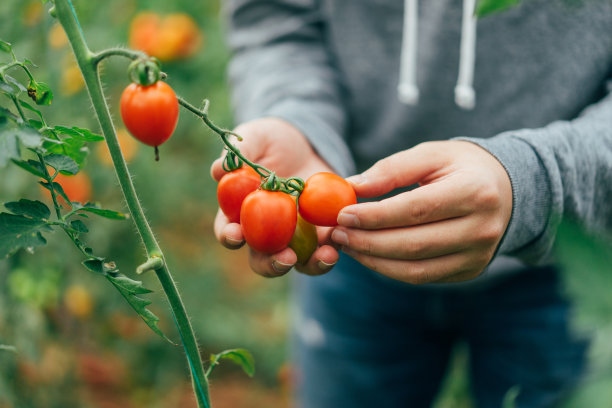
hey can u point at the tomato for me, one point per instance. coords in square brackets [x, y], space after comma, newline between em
[233, 188]
[324, 195]
[168, 38]
[304, 240]
[150, 113]
[268, 220]
[78, 301]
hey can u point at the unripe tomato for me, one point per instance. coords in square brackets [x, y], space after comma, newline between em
[150, 113]
[233, 188]
[268, 220]
[304, 240]
[324, 195]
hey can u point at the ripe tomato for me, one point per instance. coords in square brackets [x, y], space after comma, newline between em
[268, 220]
[233, 188]
[324, 195]
[304, 240]
[150, 113]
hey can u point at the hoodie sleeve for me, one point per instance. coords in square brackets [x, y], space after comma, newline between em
[281, 68]
[561, 170]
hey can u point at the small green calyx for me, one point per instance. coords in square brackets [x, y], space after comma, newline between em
[40, 92]
[145, 71]
[231, 162]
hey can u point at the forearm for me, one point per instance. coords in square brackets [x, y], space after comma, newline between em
[561, 170]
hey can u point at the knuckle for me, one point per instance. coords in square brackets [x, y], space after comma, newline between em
[487, 196]
[417, 213]
[417, 274]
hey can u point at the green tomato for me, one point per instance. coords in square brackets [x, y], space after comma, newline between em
[304, 240]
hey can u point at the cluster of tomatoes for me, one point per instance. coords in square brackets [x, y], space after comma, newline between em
[274, 220]
[271, 219]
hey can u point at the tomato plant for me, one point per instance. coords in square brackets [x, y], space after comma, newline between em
[324, 195]
[233, 188]
[268, 220]
[150, 113]
[304, 240]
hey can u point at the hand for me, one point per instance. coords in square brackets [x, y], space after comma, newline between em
[445, 230]
[280, 147]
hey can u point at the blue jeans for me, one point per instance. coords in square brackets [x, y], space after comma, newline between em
[363, 340]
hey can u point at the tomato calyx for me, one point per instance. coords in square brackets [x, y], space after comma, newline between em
[232, 161]
[145, 71]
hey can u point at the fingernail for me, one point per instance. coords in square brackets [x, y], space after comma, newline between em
[348, 220]
[324, 266]
[340, 237]
[356, 179]
[233, 242]
[281, 267]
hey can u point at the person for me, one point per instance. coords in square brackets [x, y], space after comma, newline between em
[465, 153]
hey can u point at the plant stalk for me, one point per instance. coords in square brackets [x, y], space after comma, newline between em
[88, 62]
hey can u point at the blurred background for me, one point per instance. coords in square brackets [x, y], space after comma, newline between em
[77, 342]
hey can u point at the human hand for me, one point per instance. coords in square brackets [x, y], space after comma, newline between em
[280, 147]
[446, 230]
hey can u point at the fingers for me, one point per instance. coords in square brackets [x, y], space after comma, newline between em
[447, 268]
[322, 261]
[227, 233]
[401, 169]
[418, 242]
[447, 198]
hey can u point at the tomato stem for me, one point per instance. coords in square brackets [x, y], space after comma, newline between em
[88, 64]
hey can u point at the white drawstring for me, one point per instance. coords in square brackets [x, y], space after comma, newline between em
[407, 90]
[465, 97]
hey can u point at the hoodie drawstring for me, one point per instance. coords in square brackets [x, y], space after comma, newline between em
[408, 91]
[465, 96]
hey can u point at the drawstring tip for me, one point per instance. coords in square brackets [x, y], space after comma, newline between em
[465, 97]
[408, 94]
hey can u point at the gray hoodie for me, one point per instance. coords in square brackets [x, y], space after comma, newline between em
[543, 103]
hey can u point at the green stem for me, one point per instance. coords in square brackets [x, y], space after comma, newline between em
[87, 62]
[121, 52]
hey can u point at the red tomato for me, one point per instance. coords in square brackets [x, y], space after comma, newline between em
[233, 188]
[150, 113]
[268, 220]
[324, 195]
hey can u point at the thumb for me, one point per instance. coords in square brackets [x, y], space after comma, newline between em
[416, 165]
[251, 146]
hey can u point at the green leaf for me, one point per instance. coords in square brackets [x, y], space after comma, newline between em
[62, 163]
[72, 147]
[58, 189]
[40, 92]
[510, 397]
[29, 137]
[17, 231]
[37, 124]
[31, 166]
[129, 288]
[15, 82]
[241, 357]
[94, 265]
[5, 47]
[31, 108]
[79, 133]
[110, 214]
[79, 226]
[31, 209]
[487, 7]
[4, 87]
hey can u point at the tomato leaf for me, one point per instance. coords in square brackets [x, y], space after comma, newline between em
[6, 347]
[79, 133]
[6, 88]
[5, 47]
[17, 232]
[241, 357]
[31, 166]
[31, 108]
[110, 214]
[62, 163]
[28, 208]
[15, 82]
[40, 92]
[70, 146]
[79, 226]
[58, 189]
[129, 288]
[487, 7]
